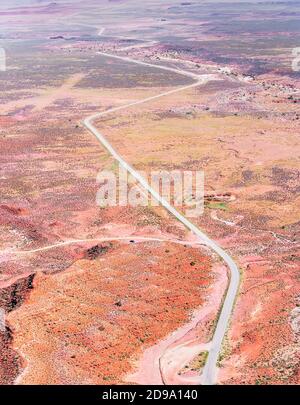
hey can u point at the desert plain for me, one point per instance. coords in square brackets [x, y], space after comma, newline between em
[115, 295]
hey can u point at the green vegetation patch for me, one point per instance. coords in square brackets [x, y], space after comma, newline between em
[217, 206]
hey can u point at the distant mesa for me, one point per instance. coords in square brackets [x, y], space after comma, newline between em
[52, 5]
[57, 37]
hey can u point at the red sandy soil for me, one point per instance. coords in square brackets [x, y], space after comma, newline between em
[84, 325]
[264, 345]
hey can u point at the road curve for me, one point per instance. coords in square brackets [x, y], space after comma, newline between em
[209, 375]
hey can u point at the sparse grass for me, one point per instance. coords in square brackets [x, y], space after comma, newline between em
[225, 351]
[197, 363]
[148, 217]
[217, 206]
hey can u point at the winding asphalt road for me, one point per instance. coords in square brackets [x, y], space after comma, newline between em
[209, 375]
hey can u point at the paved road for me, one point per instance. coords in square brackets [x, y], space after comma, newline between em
[209, 375]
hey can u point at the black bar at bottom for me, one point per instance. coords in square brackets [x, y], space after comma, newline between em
[132, 394]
